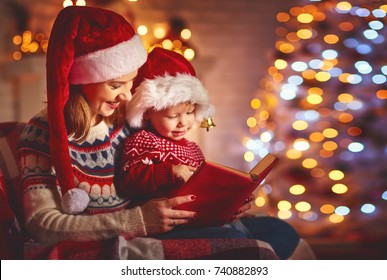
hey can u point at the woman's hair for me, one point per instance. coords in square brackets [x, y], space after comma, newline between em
[77, 113]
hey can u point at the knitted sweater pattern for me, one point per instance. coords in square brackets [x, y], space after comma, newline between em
[92, 162]
[147, 162]
[148, 148]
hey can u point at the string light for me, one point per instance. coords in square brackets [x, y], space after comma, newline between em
[328, 78]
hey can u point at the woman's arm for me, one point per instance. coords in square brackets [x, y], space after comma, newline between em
[47, 223]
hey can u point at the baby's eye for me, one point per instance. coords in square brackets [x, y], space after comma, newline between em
[191, 112]
[115, 86]
[172, 117]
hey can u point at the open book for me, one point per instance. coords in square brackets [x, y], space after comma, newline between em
[221, 190]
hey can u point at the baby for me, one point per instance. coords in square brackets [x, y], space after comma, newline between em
[169, 100]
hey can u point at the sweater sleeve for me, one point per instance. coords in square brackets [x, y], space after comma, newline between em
[142, 172]
[41, 202]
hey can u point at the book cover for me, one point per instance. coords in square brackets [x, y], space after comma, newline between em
[221, 190]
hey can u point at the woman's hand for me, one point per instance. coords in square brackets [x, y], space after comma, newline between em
[245, 207]
[183, 172]
[159, 216]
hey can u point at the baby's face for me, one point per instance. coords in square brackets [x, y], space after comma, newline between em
[173, 122]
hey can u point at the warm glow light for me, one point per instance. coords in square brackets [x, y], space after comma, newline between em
[309, 74]
[327, 209]
[301, 144]
[381, 94]
[326, 66]
[309, 163]
[297, 189]
[67, 3]
[336, 175]
[345, 117]
[189, 54]
[251, 122]
[329, 146]
[17, 40]
[249, 156]
[266, 137]
[264, 115]
[280, 64]
[293, 154]
[344, 77]
[284, 215]
[315, 90]
[17, 55]
[142, 30]
[305, 18]
[303, 206]
[260, 201]
[316, 137]
[330, 132]
[345, 97]
[331, 39]
[167, 44]
[286, 48]
[314, 99]
[323, 76]
[300, 125]
[283, 17]
[339, 188]
[159, 32]
[255, 103]
[344, 6]
[284, 205]
[80, 3]
[185, 34]
[334, 218]
[304, 34]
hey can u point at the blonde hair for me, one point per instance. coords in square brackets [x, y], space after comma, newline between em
[77, 113]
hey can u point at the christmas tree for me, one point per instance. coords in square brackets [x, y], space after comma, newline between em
[322, 110]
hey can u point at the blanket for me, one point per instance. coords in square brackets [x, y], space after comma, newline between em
[142, 248]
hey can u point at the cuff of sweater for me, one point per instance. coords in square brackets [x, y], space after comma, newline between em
[164, 174]
[133, 222]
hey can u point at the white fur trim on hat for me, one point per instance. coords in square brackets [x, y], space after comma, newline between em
[107, 64]
[162, 92]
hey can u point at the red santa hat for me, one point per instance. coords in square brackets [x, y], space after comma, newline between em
[165, 80]
[87, 45]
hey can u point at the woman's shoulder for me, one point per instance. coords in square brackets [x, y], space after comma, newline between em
[39, 120]
[35, 133]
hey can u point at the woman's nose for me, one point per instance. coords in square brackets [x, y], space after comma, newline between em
[124, 96]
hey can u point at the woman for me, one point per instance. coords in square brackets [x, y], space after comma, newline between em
[67, 152]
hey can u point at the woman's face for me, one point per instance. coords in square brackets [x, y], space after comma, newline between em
[104, 98]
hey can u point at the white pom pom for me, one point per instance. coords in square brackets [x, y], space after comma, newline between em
[75, 201]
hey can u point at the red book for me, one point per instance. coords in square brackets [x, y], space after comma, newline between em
[221, 190]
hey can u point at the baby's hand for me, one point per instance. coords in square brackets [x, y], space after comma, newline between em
[183, 172]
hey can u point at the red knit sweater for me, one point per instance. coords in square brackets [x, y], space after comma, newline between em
[146, 169]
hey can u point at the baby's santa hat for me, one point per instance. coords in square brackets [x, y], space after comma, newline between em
[87, 45]
[165, 80]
